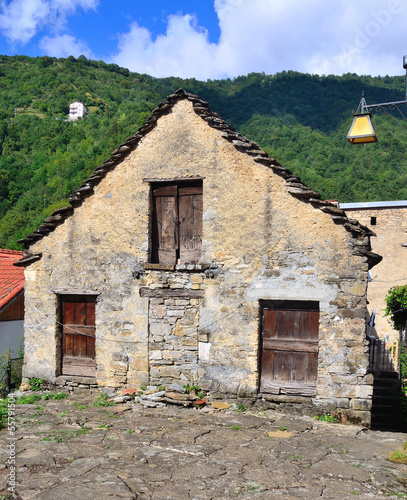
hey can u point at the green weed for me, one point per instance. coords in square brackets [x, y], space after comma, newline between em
[327, 417]
[35, 383]
[188, 388]
[241, 407]
[53, 395]
[103, 400]
[398, 457]
[79, 406]
[61, 436]
[28, 400]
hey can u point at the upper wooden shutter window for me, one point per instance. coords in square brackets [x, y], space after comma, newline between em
[177, 222]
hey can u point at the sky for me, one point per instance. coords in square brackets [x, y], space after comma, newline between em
[213, 39]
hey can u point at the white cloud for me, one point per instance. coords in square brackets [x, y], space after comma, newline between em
[313, 36]
[64, 46]
[20, 20]
[183, 50]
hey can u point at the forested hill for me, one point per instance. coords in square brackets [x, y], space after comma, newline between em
[302, 120]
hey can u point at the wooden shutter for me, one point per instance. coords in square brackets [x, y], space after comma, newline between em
[190, 223]
[177, 223]
[289, 363]
[78, 338]
[165, 225]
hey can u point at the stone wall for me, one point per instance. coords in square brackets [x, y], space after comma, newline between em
[391, 242]
[201, 324]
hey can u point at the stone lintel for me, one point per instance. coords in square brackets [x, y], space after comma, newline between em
[74, 291]
[175, 179]
[170, 292]
[176, 267]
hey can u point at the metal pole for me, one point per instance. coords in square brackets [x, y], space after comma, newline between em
[8, 373]
[363, 104]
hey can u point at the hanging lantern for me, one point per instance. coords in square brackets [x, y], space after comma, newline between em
[361, 130]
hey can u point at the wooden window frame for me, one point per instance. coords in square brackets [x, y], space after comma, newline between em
[176, 222]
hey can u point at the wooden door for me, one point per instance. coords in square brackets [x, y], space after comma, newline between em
[78, 337]
[289, 357]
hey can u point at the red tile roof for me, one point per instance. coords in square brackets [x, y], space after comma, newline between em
[11, 277]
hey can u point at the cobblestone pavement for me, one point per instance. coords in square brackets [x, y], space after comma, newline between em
[66, 450]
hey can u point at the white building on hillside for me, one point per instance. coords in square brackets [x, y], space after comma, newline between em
[77, 110]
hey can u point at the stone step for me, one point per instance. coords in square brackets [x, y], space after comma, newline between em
[386, 375]
[386, 382]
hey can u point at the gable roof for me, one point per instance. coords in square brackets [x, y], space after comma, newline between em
[294, 184]
[11, 277]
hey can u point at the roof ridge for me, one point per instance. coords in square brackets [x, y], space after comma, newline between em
[5, 251]
[294, 184]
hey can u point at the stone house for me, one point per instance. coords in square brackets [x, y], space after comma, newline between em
[388, 219]
[191, 256]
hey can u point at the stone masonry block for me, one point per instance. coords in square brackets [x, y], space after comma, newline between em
[161, 329]
[139, 365]
[361, 404]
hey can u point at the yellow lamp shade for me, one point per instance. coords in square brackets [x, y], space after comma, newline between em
[361, 130]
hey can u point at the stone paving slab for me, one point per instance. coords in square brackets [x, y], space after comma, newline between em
[68, 450]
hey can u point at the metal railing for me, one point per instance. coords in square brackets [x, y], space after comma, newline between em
[10, 375]
[384, 355]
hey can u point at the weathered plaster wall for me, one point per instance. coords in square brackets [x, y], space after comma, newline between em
[11, 333]
[261, 243]
[391, 243]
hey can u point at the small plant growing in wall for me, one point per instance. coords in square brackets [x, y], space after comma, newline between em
[35, 383]
[241, 407]
[193, 388]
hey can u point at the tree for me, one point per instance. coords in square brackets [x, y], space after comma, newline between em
[396, 306]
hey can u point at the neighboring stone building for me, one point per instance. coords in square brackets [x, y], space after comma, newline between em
[77, 110]
[11, 302]
[190, 256]
[388, 219]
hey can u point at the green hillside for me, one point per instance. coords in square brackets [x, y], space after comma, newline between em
[302, 120]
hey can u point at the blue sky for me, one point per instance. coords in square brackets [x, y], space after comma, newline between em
[213, 38]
